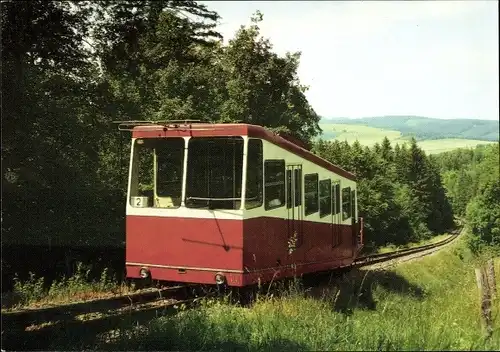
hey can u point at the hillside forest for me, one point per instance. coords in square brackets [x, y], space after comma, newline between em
[472, 182]
[424, 128]
[71, 68]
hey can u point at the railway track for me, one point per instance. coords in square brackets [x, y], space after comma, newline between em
[382, 257]
[32, 329]
[27, 329]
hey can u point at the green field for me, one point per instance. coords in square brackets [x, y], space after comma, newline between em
[445, 145]
[370, 135]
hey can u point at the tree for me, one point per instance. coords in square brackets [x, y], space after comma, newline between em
[483, 218]
[48, 138]
[483, 211]
[155, 58]
[463, 191]
[386, 150]
[50, 155]
[440, 217]
[263, 88]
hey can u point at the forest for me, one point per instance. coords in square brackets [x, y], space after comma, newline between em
[71, 68]
[472, 182]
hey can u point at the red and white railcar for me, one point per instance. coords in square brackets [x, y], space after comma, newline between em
[234, 204]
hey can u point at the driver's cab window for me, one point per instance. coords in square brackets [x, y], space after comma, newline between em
[169, 163]
[157, 168]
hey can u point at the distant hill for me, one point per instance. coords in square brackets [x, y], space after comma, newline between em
[425, 128]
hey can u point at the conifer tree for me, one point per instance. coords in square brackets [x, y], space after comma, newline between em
[386, 150]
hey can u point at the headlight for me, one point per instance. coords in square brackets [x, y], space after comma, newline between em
[144, 273]
[220, 279]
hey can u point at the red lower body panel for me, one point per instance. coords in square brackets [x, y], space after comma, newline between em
[244, 251]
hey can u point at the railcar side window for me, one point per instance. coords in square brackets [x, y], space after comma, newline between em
[311, 193]
[214, 172]
[253, 198]
[325, 198]
[346, 203]
[288, 189]
[274, 184]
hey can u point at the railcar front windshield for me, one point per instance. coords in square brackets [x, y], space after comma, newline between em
[213, 178]
[157, 170]
[214, 173]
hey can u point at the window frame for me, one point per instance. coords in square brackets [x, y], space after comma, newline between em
[282, 184]
[346, 202]
[156, 158]
[328, 195]
[260, 172]
[288, 178]
[150, 146]
[134, 189]
[190, 168]
[308, 211]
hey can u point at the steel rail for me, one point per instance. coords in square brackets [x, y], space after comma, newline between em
[382, 257]
[22, 318]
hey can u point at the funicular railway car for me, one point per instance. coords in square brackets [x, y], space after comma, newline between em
[233, 204]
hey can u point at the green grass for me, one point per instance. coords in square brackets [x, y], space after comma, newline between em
[364, 134]
[370, 135]
[34, 293]
[428, 304]
[445, 145]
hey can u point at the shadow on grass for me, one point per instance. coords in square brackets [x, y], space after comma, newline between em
[195, 332]
[173, 343]
[355, 289]
[75, 334]
[143, 331]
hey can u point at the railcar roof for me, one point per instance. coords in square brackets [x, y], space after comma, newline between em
[234, 129]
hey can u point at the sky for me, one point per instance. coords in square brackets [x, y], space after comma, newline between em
[428, 58]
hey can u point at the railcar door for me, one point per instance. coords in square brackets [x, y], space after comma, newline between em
[294, 204]
[336, 215]
[354, 221]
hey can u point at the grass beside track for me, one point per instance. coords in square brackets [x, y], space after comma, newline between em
[392, 247]
[429, 303]
[34, 293]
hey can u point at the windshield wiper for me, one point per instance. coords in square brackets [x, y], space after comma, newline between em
[210, 200]
[203, 198]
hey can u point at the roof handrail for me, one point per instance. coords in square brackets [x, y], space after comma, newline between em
[187, 123]
[129, 125]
